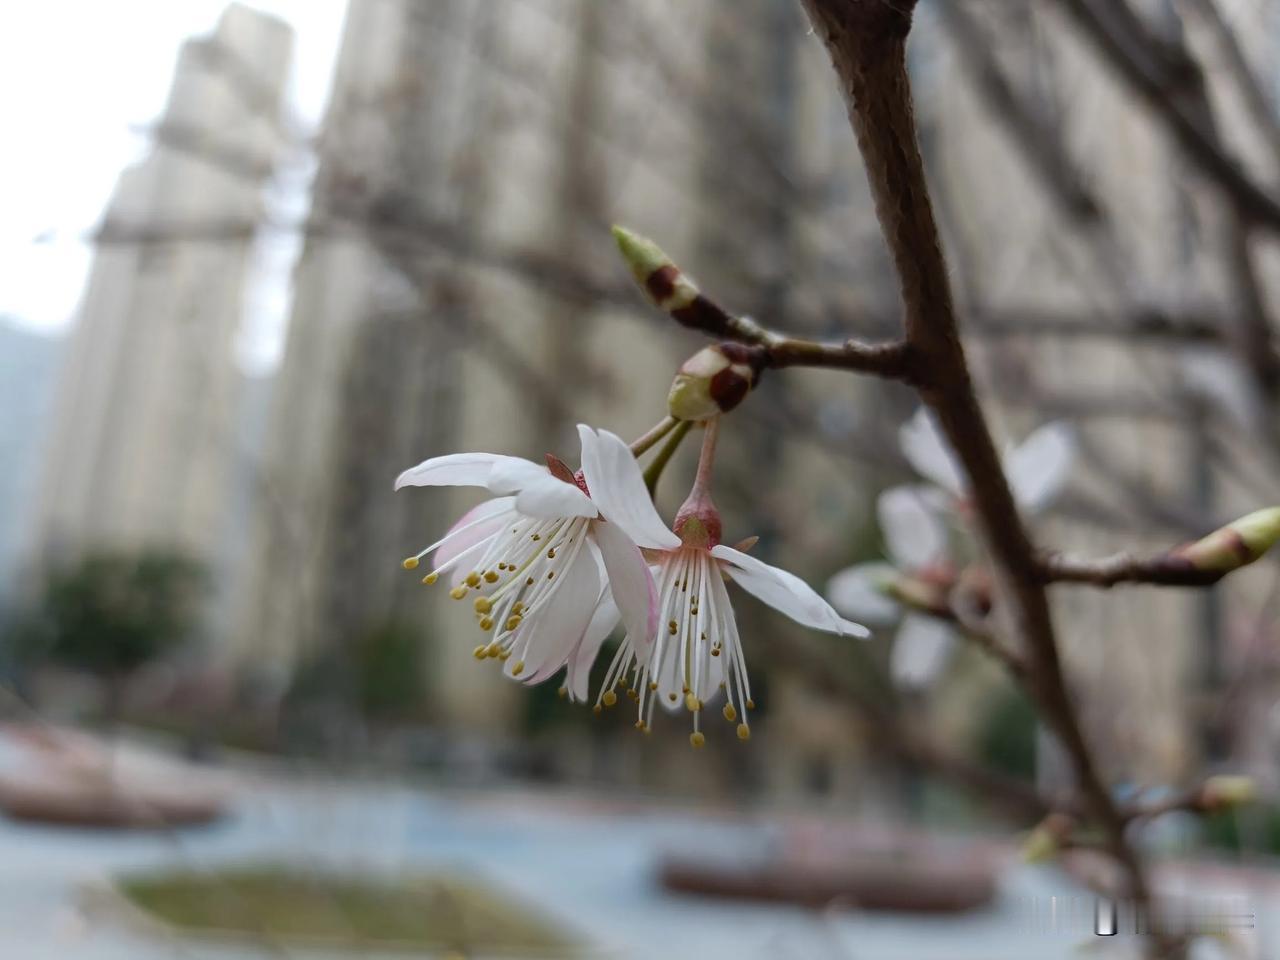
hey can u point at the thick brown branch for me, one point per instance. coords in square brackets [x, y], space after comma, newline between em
[867, 44]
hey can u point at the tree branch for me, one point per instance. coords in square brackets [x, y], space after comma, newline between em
[867, 44]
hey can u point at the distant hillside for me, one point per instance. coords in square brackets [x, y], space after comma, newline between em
[28, 369]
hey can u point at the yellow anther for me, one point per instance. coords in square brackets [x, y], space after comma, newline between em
[696, 739]
[635, 697]
[490, 577]
[597, 709]
[653, 686]
[504, 656]
[639, 724]
[692, 703]
[529, 582]
[715, 651]
[410, 563]
[478, 652]
[486, 623]
[518, 608]
[609, 698]
[537, 536]
[551, 574]
[458, 592]
[744, 732]
[671, 627]
[730, 714]
[494, 649]
[513, 621]
[562, 692]
[751, 704]
[473, 579]
[483, 604]
[671, 697]
[551, 554]
[430, 578]
[518, 668]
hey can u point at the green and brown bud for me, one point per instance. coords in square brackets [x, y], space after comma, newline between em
[669, 288]
[1238, 544]
[714, 381]
[1226, 791]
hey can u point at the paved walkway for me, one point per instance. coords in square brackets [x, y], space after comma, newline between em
[592, 868]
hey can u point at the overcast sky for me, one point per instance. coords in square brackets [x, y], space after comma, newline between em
[77, 78]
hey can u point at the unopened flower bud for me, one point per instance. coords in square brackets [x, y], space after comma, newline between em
[662, 280]
[1046, 840]
[713, 381]
[1226, 791]
[1237, 544]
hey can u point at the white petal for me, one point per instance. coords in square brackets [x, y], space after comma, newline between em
[557, 628]
[617, 487]
[785, 592]
[631, 582]
[455, 470]
[854, 591]
[603, 622]
[915, 536]
[514, 474]
[926, 449]
[1038, 469]
[920, 651]
[477, 524]
[549, 497]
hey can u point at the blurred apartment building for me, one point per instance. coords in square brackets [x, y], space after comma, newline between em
[149, 413]
[458, 291]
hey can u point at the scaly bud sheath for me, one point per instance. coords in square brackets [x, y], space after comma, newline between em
[714, 381]
[1223, 792]
[668, 287]
[1238, 544]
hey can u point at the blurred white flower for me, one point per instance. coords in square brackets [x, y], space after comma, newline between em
[1037, 468]
[914, 522]
[694, 652]
[916, 540]
[545, 572]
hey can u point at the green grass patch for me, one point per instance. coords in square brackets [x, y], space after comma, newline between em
[275, 904]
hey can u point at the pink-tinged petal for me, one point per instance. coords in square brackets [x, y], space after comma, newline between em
[920, 651]
[855, 592]
[603, 622]
[549, 497]
[785, 592]
[476, 525]
[558, 626]
[617, 487]
[1038, 469]
[915, 536]
[631, 582]
[926, 449]
[454, 470]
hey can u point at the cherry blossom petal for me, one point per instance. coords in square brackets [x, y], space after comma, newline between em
[926, 449]
[854, 591]
[920, 651]
[549, 497]
[632, 584]
[555, 633]
[603, 622]
[617, 487]
[477, 524]
[785, 592]
[456, 470]
[1038, 469]
[915, 536]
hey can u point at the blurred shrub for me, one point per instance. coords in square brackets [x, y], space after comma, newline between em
[110, 612]
[1006, 736]
[380, 674]
[1254, 828]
